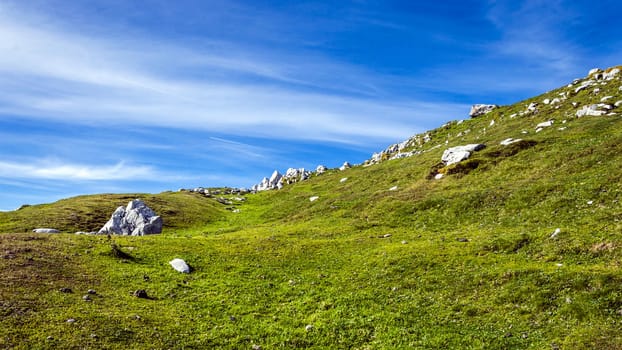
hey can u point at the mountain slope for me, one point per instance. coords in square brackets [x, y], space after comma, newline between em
[388, 258]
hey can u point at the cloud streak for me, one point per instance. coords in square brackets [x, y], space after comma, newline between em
[51, 170]
[51, 74]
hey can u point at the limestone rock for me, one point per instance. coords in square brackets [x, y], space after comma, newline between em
[180, 265]
[594, 110]
[345, 166]
[459, 153]
[274, 182]
[137, 219]
[509, 141]
[481, 109]
[321, 169]
[45, 230]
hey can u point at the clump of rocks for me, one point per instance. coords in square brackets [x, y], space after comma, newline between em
[136, 219]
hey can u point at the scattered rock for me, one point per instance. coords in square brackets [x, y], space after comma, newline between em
[394, 188]
[404, 242]
[321, 169]
[462, 239]
[140, 293]
[91, 291]
[45, 230]
[457, 154]
[343, 180]
[595, 110]
[137, 219]
[71, 320]
[309, 327]
[387, 235]
[313, 199]
[594, 71]
[256, 347]
[345, 166]
[509, 141]
[180, 265]
[545, 124]
[274, 182]
[438, 176]
[481, 109]
[556, 232]
[87, 298]
[65, 290]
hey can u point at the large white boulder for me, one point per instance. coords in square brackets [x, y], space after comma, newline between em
[459, 153]
[321, 169]
[481, 109]
[137, 219]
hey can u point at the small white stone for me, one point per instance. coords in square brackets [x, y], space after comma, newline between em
[343, 180]
[309, 327]
[394, 188]
[492, 122]
[180, 265]
[556, 232]
[438, 176]
[314, 198]
[590, 202]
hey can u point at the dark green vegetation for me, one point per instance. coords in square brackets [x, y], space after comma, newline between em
[465, 262]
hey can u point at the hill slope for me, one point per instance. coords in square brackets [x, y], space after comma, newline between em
[388, 258]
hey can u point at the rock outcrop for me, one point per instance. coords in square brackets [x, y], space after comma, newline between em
[595, 110]
[346, 165]
[137, 219]
[481, 109]
[459, 153]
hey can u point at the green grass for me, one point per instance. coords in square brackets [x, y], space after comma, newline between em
[465, 262]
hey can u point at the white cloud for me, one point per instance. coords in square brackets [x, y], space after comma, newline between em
[50, 73]
[53, 170]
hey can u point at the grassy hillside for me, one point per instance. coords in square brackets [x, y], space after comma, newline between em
[469, 261]
[180, 210]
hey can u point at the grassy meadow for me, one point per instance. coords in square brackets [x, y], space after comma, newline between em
[464, 262]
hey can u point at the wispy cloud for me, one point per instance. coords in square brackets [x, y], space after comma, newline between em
[53, 74]
[53, 170]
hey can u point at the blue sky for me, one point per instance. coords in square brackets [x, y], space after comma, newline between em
[146, 96]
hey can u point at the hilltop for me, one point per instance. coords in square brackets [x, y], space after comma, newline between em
[519, 246]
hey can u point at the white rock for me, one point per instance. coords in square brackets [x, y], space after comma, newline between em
[593, 71]
[438, 176]
[532, 107]
[590, 202]
[345, 166]
[562, 128]
[512, 116]
[538, 130]
[545, 124]
[481, 109]
[509, 141]
[137, 219]
[45, 230]
[594, 110]
[611, 74]
[313, 199]
[575, 104]
[343, 180]
[320, 169]
[596, 91]
[459, 153]
[394, 188]
[618, 103]
[492, 122]
[556, 232]
[584, 86]
[180, 265]
[605, 98]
